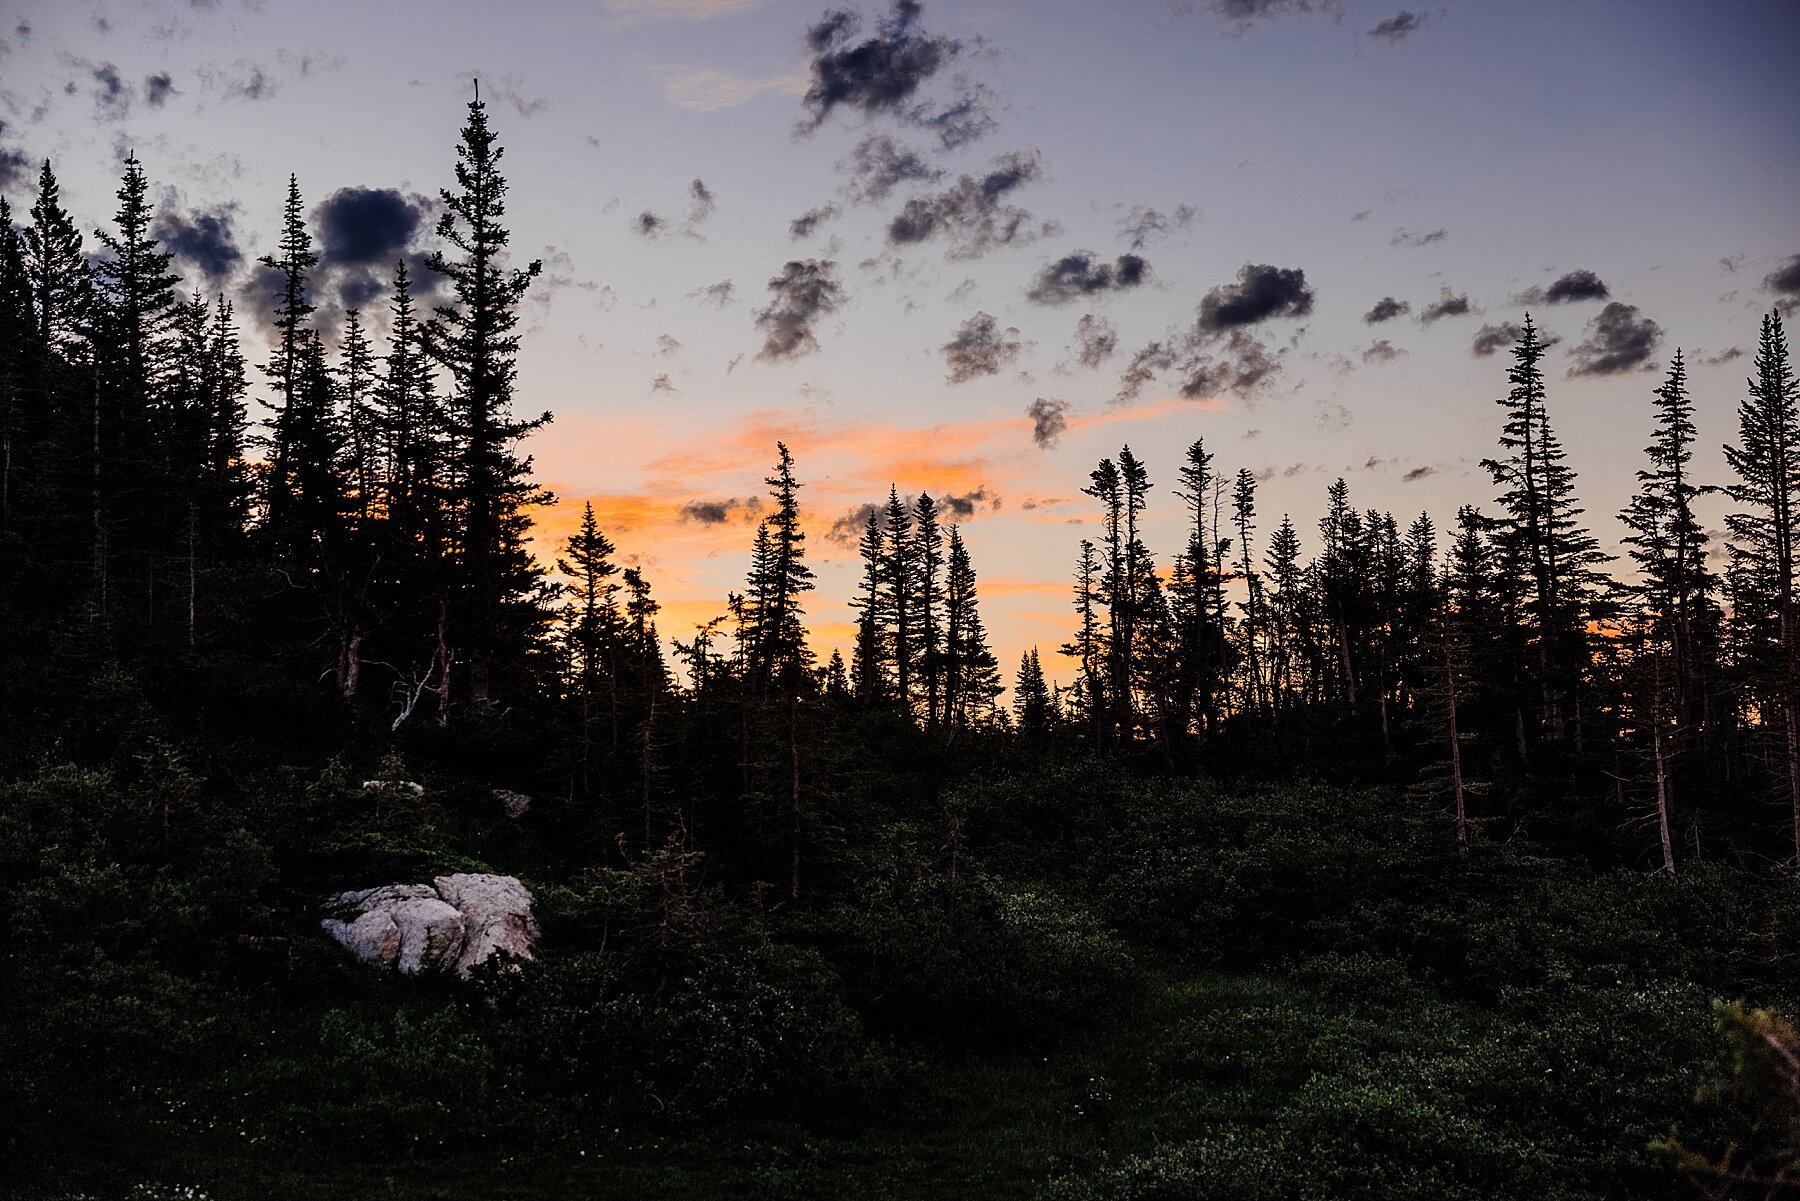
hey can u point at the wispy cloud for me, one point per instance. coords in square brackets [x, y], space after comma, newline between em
[678, 10]
[708, 89]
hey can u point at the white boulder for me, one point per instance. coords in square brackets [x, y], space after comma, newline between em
[455, 922]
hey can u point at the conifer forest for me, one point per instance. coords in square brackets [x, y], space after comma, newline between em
[367, 832]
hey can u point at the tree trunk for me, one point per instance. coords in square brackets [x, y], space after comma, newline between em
[1662, 775]
[794, 758]
[99, 521]
[1456, 780]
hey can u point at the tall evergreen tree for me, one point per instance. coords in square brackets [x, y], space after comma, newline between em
[869, 657]
[475, 339]
[1765, 546]
[971, 673]
[293, 311]
[780, 577]
[1546, 538]
[61, 283]
[928, 540]
[901, 577]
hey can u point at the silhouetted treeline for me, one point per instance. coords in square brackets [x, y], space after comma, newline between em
[370, 531]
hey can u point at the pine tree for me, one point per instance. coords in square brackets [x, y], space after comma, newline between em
[971, 673]
[1667, 542]
[1243, 513]
[292, 312]
[1284, 576]
[1764, 546]
[1032, 704]
[901, 579]
[869, 657]
[1088, 649]
[779, 577]
[356, 375]
[928, 542]
[474, 338]
[61, 283]
[1106, 487]
[18, 350]
[1545, 537]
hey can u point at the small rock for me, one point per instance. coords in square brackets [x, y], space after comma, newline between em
[406, 786]
[515, 803]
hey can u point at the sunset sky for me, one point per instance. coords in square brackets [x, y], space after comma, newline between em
[973, 246]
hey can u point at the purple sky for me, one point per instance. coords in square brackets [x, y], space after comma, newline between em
[1220, 193]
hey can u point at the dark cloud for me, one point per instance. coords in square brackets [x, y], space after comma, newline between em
[1243, 366]
[1619, 339]
[1448, 304]
[701, 203]
[807, 223]
[1386, 309]
[1784, 281]
[668, 345]
[661, 383]
[1080, 274]
[1145, 366]
[719, 295]
[203, 241]
[1725, 356]
[971, 214]
[649, 225]
[879, 164]
[804, 291]
[1361, 215]
[1398, 27]
[1381, 351]
[1405, 237]
[1567, 288]
[1049, 418]
[242, 81]
[1417, 474]
[364, 226]
[158, 88]
[848, 529]
[719, 512]
[1095, 340]
[964, 506]
[1144, 225]
[112, 97]
[1244, 13]
[1218, 353]
[1492, 338]
[979, 347]
[362, 233]
[885, 74]
[15, 165]
[1261, 292]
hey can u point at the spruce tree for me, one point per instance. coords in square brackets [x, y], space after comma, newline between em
[1546, 539]
[475, 339]
[928, 541]
[1764, 548]
[61, 283]
[869, 657]
[901, 577]
[779, 577]
[293, 309]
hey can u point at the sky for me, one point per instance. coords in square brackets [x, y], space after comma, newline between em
[972, 247]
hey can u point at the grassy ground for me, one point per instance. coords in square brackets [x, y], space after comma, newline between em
[993, 1128]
